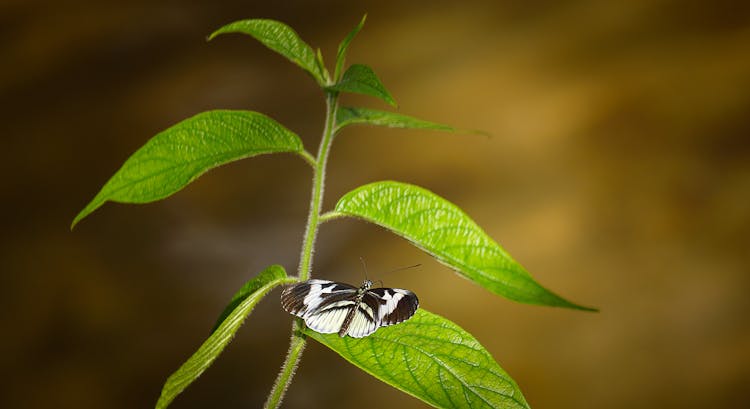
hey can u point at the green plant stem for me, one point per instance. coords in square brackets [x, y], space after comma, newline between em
[298, 339]
[318, 187]
[296, 346]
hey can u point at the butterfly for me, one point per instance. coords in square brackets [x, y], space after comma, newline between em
[328, 306]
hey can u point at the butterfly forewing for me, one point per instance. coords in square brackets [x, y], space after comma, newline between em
[396, 305]
[315, 295]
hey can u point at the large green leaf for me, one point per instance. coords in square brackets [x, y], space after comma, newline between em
[361, 79]
[278, 37]
[222, 335]
[344, 45]
[432, 359]
[175, 157]
[448, 234]
[350, 116]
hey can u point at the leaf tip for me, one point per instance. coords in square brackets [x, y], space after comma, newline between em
[588, 309]
[213, 35]
[227, 28]
[486, 134]
[573, 306]
[85, 212]
[388, 98]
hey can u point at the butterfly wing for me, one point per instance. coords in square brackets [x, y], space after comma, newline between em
[394, 305]
[365, 320]
[322, 304]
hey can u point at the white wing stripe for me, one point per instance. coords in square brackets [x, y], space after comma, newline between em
[391, 303]
[361, 326]
[314, 298]
[327, 322]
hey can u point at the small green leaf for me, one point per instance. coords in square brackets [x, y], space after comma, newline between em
[432, 359]
[350, 116]
[320, 63]
[177, 156]
[443, 230]
[278, 37]
[361, 79]
[240, 307]
[341, 54]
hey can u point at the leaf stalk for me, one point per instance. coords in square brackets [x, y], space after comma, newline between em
[308, 158]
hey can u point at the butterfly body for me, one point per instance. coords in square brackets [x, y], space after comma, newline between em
[331, 307]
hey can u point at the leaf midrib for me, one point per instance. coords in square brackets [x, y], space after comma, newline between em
[448, 258]
[451, 261]
[193, 162]
[290, 53]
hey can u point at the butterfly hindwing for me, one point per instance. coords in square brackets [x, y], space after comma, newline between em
[327, 322]
[364, 321]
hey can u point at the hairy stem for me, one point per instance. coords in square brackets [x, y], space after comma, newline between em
[296, 346]
[313, 218]
[298, 339]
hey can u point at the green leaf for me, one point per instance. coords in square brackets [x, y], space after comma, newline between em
[432, 359]
[278, 37]
[177, 156]
[320, 63]
[361, 79]
[443, 230]
[349, 116]
[256, 288]
[341, 54]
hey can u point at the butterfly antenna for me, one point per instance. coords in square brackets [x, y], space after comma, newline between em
[403, 268]
[364, 267]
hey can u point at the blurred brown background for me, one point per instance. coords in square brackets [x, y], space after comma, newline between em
[618, 173]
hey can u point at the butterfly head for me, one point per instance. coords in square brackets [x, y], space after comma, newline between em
[366, 285]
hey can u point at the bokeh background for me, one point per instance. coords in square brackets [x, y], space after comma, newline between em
[618, 173]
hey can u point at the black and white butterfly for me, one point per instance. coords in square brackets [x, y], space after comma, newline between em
[328, 307]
